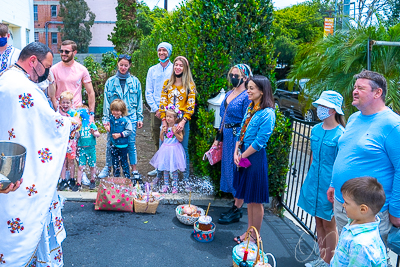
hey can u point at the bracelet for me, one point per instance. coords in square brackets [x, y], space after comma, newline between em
[91, 113]
[163, 119]
[186, 119]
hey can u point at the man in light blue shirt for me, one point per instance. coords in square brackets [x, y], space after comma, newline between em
[370, 146]
[156, 76]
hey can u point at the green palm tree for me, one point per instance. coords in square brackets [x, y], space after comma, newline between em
[331, 63]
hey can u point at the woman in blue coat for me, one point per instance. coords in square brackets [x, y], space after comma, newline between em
[313, 198]
[126, 87]
[251, 183]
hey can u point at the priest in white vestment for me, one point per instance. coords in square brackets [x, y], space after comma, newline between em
[31, 225]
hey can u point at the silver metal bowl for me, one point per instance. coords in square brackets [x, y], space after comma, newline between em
[12, 162]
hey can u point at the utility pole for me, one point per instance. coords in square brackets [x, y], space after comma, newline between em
[166, 5]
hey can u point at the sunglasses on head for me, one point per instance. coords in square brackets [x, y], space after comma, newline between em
[128, 57]
[65, 51]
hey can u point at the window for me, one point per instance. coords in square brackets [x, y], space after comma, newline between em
[36, 37]
[54, 39]
[35, 13]
[53, 11]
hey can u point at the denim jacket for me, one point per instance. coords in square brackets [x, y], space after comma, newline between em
[122, 126]
[132, 97]
[259, 129]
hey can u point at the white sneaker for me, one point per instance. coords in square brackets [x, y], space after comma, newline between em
[105, 172]
[85, 179]
[152, 173]
[315, 263]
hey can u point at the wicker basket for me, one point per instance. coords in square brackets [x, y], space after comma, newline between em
[145, 207]
[188, 220]
[261, 258]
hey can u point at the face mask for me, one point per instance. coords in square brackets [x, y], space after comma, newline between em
[179, 75]
[45, 74]
[3, 41]
[236, 82]
[163, 61]
[323, 112]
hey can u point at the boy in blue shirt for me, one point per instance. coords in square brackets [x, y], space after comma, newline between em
[360, 243]
[86, 148]
[120, 128]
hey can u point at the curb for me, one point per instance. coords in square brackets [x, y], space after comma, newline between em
[170, 199]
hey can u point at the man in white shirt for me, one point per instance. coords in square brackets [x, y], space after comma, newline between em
[8, 54]
[156, 76]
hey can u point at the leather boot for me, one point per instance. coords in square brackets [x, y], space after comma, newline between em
[229, 211]
[233, 215]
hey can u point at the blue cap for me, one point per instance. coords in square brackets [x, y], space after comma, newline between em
[330, 99]
[167, 46]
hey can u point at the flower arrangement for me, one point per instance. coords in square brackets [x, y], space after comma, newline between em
[175, 109]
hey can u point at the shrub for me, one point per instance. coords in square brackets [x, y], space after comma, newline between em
[213, 35]
[278, 150]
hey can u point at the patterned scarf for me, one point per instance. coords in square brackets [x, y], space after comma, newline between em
[251, 110]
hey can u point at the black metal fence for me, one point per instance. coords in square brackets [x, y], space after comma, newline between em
[299, 163]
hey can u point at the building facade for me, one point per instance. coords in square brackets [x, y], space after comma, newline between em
[47, 22]
[18, 14]
[104, 24]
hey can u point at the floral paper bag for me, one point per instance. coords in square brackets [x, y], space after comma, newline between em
[115, 193]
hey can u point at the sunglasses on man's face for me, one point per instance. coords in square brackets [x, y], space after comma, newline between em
[128, 57]
[64, 51]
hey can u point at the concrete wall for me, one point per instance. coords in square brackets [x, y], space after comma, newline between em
[80, 57]
[19, 15]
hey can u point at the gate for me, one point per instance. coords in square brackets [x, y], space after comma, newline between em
[299, 163]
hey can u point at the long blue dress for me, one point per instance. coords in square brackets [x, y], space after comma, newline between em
[234, 115]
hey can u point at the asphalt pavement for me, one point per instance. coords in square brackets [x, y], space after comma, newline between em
[108, 239]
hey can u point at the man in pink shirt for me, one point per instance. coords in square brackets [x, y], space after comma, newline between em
[70, 75]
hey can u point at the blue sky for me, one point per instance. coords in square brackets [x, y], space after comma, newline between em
[172, 3]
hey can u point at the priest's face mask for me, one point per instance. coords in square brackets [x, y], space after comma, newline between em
[40, 68]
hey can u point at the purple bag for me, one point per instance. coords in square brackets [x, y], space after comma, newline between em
[244, 162]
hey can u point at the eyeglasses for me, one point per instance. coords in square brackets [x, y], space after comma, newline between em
[65, 51]
[231, 75]
[128, 57]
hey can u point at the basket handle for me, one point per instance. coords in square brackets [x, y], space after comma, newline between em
[273, 258]
[248, 234]
[266, 254]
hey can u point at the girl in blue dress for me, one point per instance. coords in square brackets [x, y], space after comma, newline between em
[313, 195]
[232, 111]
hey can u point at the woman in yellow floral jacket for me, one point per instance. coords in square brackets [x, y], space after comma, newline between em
[180, 91]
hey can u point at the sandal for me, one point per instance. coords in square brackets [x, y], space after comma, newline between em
[254, 240]
[238, 240]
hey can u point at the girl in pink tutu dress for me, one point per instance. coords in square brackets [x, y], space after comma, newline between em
[171, 155]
